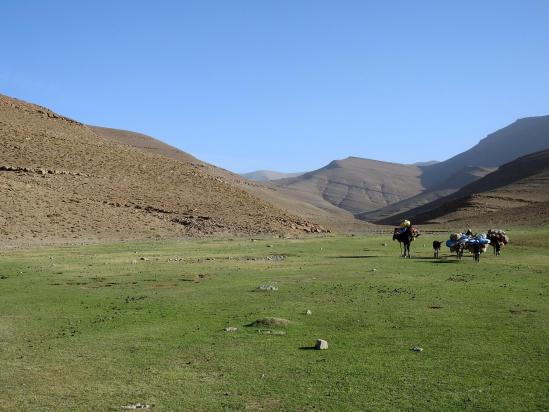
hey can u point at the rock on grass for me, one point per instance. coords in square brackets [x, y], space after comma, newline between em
[321, 344]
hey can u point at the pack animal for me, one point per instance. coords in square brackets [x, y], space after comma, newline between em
[405, 237]
[476, 249]
[436, 248]
[498, 239]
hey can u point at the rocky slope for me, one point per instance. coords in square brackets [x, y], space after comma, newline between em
[329, 216]
[60, 180]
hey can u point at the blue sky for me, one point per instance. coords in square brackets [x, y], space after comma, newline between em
[285, 85]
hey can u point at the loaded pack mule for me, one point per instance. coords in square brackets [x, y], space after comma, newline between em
[405, 237]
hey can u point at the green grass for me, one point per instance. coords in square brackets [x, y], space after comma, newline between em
[94, 327]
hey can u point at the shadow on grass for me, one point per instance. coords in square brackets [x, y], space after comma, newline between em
[438, 262]
[355, 257]
[307, 348]
[422, 258]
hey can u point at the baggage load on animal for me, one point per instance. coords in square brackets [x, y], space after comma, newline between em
[455, 239]
[405, 223]
[498, 235]
[477, 240]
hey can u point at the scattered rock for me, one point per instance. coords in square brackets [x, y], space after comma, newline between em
[308, 312]
[384, 244]
[267, 287]
[269, 245]
[137, 406]
[143, 258]
[321, 344]
[271, 332]
[277, 258]
[374, 270]
[417, 349]
[231, 329]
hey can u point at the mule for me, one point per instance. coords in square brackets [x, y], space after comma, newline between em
[405, 237]
[436, 248]
[498, 239]
[476, 249]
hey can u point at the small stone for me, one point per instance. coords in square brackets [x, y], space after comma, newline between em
[267, 287]
[231, 329]
[269, 245]
[374, 270]
[143, 258]
[136, 406]
[321, 344]
[384, 244]
[417, 349]
[308, 312]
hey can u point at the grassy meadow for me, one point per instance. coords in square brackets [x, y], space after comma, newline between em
[100, 327]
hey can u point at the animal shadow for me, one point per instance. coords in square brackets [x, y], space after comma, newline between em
[355, 257]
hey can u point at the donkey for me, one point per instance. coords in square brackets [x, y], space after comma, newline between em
[476, 249]
[498, 238]
[436, 247]
[405, 237]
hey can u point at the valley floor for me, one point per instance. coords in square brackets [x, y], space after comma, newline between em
[99, 327]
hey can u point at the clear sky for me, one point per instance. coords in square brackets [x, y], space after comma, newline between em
[286, 85]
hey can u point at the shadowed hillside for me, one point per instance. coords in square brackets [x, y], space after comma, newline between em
[59, 180]
[441, 179]
[520, 138]
[517, 192]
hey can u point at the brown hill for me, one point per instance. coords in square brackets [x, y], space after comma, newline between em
[354, 185]
[440, 179]
[330, 216]
[448, 186]
[59, 180]
[144, 142]
[516, 193]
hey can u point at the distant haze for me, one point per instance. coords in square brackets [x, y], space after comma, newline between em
[266, 175]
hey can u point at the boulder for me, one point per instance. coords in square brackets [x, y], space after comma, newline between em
[321, 344]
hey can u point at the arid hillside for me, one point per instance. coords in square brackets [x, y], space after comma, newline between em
[441, 179]
[520, 138]
[354, 184]
[516, 193]
[60, 180]
[329, 216]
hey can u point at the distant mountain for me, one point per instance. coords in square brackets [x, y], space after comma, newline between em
[354, 184]
[427, 163]
[267, 175]
[516, 192]
[452, 183]
[520, 138]
[441, 179]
